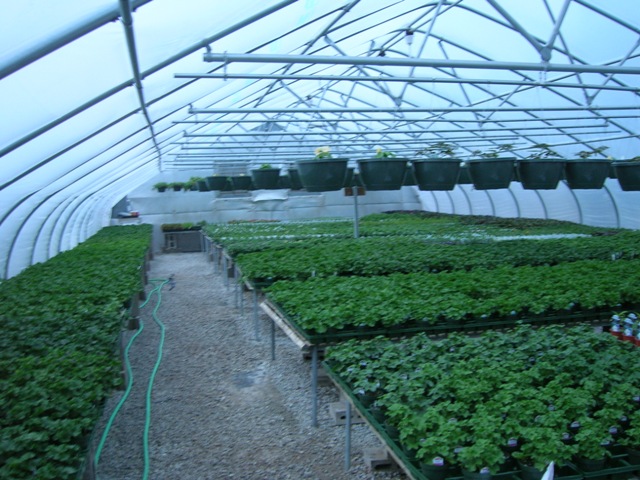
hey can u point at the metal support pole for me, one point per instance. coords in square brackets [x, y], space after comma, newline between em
[225, 271]
[314, 385]
[356, 219]
[236, 288]
[347, 439]
[273, 340]
[255, 313]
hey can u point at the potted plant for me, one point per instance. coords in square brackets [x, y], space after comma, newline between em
[294, 179]
[266, 177]
[481, 460]
[541, 445]
[591, 445]
[491, 171]
[216, 182]
[542, 170]
[177, 186]
[385, 171]
[190, 185]
[628, 173]
[241, 182]
[323, 173]
[161, 186]
[586, 172]
[440, 170]
[199, 184]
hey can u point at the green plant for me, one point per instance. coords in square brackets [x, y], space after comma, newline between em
[380, 153]
[176, 185]
[161, 185]
[493, 152]
[592, 439]
[585, 154]
[542, 151]
[265, 166]
[438, 149]
[323, 152]
[482, 455]
[542, 445]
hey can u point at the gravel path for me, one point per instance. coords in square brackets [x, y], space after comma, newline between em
[221, 408]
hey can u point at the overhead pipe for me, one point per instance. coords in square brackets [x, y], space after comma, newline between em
[381, 78]
[258, 110]
[227, 58]
[127, 21]
[395, 119]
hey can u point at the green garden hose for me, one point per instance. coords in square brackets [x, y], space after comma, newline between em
[145, 438]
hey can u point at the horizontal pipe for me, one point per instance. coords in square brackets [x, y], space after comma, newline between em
[391, 119]
[416, 62]
[381, 132]
[380, 78]
[500, 109]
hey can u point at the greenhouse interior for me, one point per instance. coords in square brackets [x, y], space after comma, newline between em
[330, 239]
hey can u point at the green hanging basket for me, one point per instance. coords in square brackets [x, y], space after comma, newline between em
[241, 182]
[491, 173]
[202, 185]
[216, 183]
[322, 175]
[628, 174]
[437, 173]
[582, 174]
[464, 178]
[539, 174]
[382, 173]
[294, 179]
[266, 178]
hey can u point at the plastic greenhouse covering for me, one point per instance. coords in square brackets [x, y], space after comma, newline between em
[99, 97]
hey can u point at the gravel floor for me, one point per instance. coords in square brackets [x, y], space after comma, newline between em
[221, 408]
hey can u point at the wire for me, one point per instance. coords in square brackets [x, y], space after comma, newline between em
[96, 459]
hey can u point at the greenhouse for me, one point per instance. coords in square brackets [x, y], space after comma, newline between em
[416, 218]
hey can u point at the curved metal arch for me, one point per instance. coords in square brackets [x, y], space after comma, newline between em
[48, 198]
[543, 204]
[577, 202]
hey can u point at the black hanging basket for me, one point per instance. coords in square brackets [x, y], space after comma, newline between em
[216, 183]
[491, 173]
[322, 175]
[294, 179]
[540, 174]
[437, 173]
[266, 178]
[202, 185]
[582, 174]
[382, 173]
[241, 182]
[628, 174]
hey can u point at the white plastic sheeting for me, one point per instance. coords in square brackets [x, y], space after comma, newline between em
[91, 108]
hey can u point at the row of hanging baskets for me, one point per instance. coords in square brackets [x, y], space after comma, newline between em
[322, 175]
[433, 174]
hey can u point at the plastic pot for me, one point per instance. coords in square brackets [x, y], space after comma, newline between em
[628, 174]
[382, 173]
[584, 174]
[266, 178]
[537, 174]
[437, 173]
[322, 175]
[491, 173]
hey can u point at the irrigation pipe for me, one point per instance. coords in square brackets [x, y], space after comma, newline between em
[145, 440]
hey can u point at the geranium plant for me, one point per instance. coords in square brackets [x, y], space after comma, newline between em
[380, 153]
[323, 152]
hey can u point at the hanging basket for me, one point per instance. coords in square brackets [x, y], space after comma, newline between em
[491, 173]
[582, 174]
[464, 178]
[628, 174]
[294, 179]
[539, 174]
[241, 182]
[382, 173]
[202, 185]
[409, 177]
[266, 178]
[437, 173]
[216, 183]
[322, 175]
